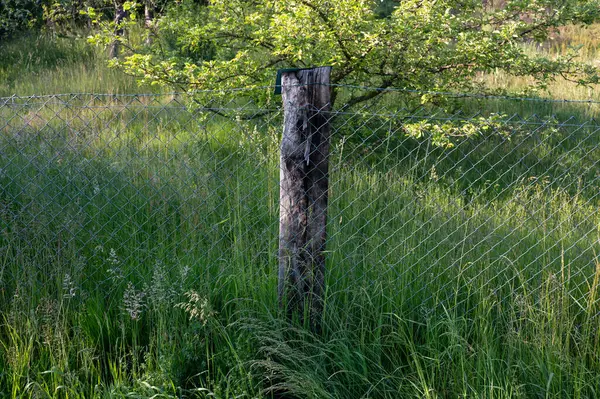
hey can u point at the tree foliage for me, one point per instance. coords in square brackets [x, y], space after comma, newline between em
[58, 16]
[19, 15]
[412, 44]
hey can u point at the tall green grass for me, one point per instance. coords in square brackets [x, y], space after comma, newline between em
[48, 64]
[140, 242]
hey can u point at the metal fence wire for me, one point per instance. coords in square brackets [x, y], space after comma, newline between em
[430, 205]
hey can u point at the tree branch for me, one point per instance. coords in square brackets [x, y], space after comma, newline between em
[369, 95]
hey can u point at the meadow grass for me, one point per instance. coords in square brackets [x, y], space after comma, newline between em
[139, 259]
[582, 39]
[50, 64]
[139, 254]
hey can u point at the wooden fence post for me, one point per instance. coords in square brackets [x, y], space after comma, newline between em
[303, 195]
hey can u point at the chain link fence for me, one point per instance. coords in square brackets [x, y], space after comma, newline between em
[432, 207]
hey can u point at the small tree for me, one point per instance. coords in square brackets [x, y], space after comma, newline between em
[413, 44]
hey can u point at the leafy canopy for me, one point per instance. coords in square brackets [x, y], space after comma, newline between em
[418, 44]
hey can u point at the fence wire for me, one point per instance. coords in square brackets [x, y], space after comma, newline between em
[430, 206]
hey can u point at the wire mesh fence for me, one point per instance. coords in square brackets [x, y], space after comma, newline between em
[430, 206]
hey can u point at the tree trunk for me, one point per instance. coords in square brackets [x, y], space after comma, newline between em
[148, 21]
[120, 15]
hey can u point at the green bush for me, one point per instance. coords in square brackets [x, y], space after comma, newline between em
[19, 15]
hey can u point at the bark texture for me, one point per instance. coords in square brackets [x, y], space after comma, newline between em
[120, 15]
[304, 192]
[148, 21]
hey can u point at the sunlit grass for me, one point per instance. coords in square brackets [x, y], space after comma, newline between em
[584, 39]
[42, 64]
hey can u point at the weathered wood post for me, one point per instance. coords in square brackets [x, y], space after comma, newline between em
[303, 192]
